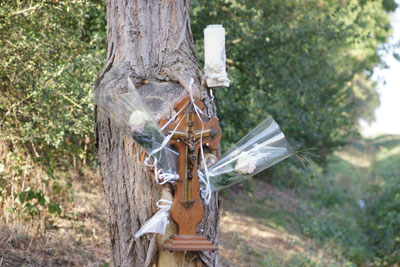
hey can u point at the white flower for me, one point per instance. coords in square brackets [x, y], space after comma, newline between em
[137, 121]
[245, 163]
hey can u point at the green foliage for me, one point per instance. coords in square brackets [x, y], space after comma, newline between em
[31, 200]
[305, 63]
[384, 209]
[51, 54]
[331, 206]
[299, 260]
[54, 208]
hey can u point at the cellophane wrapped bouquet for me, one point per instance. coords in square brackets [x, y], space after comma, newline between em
[261, 148]
[130, 114]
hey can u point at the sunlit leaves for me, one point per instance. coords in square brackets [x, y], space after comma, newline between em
[299, 61]
[50, 54]
[52, 51]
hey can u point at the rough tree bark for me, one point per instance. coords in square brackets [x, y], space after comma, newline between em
[150, 42]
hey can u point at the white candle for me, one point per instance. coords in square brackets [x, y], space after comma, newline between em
[214, 56]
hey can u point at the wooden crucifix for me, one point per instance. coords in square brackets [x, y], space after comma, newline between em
[186, 209]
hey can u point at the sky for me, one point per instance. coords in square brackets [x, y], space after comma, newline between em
[388, 113]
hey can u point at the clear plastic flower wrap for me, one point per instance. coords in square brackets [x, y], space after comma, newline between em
[130, 114]
[261, 148]
[158, 223]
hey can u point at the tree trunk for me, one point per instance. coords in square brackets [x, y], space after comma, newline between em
[150, 42]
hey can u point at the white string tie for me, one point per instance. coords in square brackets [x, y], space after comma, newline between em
[166, 177]
[161, 206]
[170, 177]
[206, 193]
[173, 118]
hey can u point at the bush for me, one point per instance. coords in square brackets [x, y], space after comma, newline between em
[52, 52]
[383, 224]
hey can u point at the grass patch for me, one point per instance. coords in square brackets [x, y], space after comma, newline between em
[277, 219]
[354, 211]
[348, 215]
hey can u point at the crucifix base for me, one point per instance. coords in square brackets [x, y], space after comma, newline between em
[188, 243]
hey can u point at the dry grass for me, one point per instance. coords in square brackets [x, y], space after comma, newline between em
[20, 249]
[259, 229]
[77, 237]
[255, 230]
[80, 240]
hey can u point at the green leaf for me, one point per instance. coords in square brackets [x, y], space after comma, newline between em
[31, 195]
[54, 208]
[22, 196]
[41, 199]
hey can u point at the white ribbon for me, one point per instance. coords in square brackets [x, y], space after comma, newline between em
[206, 193]
[173, 117]
[166, 177]
[159, 174]
[168, 205]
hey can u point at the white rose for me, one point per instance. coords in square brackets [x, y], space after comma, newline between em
[137, 121]
[245, 164]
